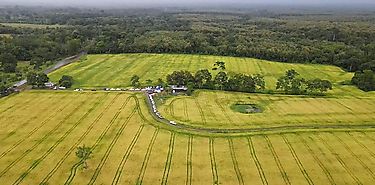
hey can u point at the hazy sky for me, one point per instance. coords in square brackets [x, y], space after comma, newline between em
[181, 2]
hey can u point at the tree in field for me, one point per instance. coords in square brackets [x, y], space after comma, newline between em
[135, 81]
[220, 80]
[202, 78]
[219, 65]
[66, 81]
[8, 62]
[37, 79]
[290, 84]
[259, 82]
[180, 78]
[364, 80]
[317, 86]
[83, 153]
[234, 82]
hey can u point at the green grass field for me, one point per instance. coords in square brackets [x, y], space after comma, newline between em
[40, 131]
[212, 109]
[116, 70]
[33, 26]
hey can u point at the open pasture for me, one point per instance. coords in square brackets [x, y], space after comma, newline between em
[40, 131]
[116, 70]
[212, 109]
[32, 26]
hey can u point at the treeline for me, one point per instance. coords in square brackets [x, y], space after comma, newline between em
[203, 79]
[349, 44]
[365, 80]
[290, 83]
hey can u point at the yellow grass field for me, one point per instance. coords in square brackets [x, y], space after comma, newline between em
[40, 131]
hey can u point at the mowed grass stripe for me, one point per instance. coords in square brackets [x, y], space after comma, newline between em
[41, 125]
[215, 176]
[256, 161]
[125, 157]
[74, 146]
[298, 161]
[189, 161]
[22, 125]
[8, 120]
[339, 159]
[43, 139]
[147, 157]
[168, 162]
[61, 139]
[74, 168]
[355, 156]
[23, 105]
[361, 144]
[277, 160]
[235, 162]
[113, 142]
[320, 163]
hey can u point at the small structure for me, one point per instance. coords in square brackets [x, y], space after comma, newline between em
[20, 83]
[178, 89]
[49, 84]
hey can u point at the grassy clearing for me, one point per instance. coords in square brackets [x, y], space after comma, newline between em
[128, 150]
[214, 109]
[6, 35]
[33, 26]
[116, 70]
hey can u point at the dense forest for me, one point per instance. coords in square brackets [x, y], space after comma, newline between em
[335, 38]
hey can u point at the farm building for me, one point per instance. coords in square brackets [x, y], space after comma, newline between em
[177, 89]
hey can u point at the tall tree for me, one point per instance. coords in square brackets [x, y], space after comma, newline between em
[135, 81]
[8, 62]
[220, 80]
[202, 78]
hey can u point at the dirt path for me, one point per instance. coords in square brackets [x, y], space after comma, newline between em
[57, 65]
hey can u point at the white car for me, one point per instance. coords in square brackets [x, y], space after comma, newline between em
[172, 123]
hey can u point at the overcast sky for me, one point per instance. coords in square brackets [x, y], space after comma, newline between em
[182, 2]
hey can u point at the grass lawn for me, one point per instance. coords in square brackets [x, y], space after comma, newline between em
[33, 26]
[116, 70]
